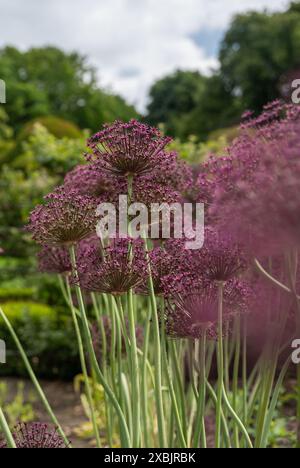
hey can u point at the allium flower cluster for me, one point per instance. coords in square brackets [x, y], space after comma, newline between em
[165, 262]
[193, 312]
[221, 259]
[54, 260]
[129, 148]
[36, 436]
[258, 198]
[91, 180]
[122, 267]
[66, 218]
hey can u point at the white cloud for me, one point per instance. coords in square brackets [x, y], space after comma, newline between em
[131, 42]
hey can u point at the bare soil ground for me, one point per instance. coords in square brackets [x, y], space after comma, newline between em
[65, 404]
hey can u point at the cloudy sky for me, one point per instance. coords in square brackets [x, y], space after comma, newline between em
[131, 42]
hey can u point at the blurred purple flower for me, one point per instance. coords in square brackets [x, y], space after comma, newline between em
[194, 312]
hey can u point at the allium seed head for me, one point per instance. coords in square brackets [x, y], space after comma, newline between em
[66, 219]
[129, 148]
[122, 268]
[36, 436]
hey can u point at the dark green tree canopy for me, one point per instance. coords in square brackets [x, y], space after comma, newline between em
[257, 50]
[47, 81]
[173, 97]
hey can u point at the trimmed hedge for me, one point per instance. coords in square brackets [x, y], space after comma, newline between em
[48, 339]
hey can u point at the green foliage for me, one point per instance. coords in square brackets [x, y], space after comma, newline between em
[41, 165]
[47, 81]
[196, 152]
[47, 336]
[19, 195]
[173, 98]
[8, 294]
[60, 128]
[257, 50]
[6, 133]
[43, 150]
[19, 408]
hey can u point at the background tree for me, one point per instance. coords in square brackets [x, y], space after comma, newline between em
[173, 98]
[256, 51]
[47, 81]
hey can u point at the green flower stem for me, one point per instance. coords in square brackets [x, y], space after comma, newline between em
[113, 345]
[84, 368]
[166, 370]
[200, 431]
[158, 360]
[33, 378]
[266, 393]
[136, 410]
[214, 398]
[271, 279]
[245, 372]
[220, 365]
[235, 383]
[7, 433]
[274, 402]
[90, 349]
[237, 419]
[226, 360]
[144, 376]
[108, 410]
[175, 356]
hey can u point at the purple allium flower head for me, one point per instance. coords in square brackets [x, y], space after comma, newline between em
[221, 259]
[66, 219]
[147, 191]
[195, 312]
[273, 314]
[165, 261]
[129, 148]
[36, 436]
[257, 191]
[123, 267]
[91, 180]
[54, 260]
[175, 174]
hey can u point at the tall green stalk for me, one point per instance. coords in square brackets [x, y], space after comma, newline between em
[34, 379]
[84, 369]
[166, 370]
[220, 359]
[136, 409]
[158, 360]
[200, 417]
[91, 351]
[235, 383]
[144, 376]
[7, 433]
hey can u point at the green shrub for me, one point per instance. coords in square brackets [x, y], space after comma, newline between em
[48, 339]
[60, 128]
[12, 294]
